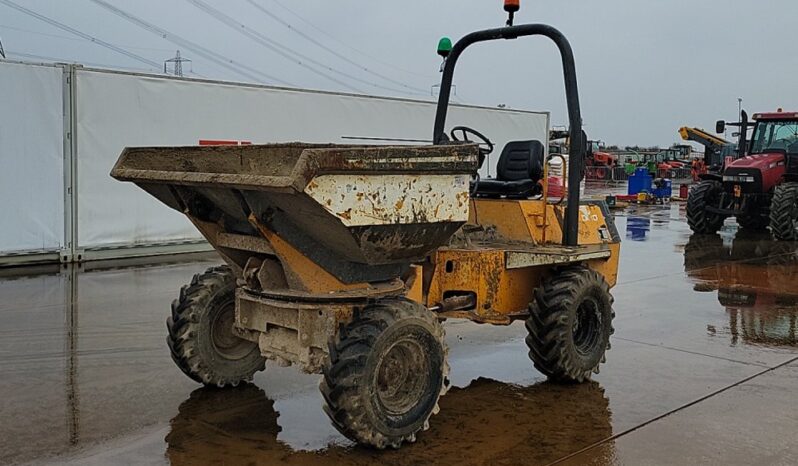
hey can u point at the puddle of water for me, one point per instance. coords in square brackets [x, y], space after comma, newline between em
[755, 279]
[488, 422]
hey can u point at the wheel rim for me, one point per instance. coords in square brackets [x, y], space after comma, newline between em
[402, 377]
[586, 327]
[226, 343]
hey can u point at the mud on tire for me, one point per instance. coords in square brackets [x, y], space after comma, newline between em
[784, 211]
[706, 193]
[569, 324]
[386, 372]
[201, 338]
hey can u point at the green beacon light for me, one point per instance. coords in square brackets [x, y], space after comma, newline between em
[444, 47]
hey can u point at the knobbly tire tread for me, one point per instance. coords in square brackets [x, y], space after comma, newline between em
[782, 207]
[183, 327]
[550, 346]
[349, 352]
[699, 220]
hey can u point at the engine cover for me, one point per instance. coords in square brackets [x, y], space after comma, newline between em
[755, 173]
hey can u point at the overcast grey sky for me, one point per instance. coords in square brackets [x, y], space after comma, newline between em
[645, 67]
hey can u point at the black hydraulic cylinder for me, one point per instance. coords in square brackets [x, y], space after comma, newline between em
[577, 144]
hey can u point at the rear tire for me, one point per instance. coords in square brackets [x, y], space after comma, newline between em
[706, 193]
[784, 212]
[569, 324]
[201, 338]
[387, 371]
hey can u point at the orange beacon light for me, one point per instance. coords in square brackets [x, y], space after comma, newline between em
[511, 6]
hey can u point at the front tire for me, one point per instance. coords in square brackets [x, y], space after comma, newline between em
[569, 324]
[201, 338]
[784, 212]
[704, 194]
[387, 371]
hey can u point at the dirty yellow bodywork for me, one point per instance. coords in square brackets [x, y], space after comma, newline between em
[313, 232]
[506, 251]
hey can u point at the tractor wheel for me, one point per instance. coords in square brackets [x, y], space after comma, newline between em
[569, 324]
[784, 212]
[201, 337]
[386, 372]
[706, 193]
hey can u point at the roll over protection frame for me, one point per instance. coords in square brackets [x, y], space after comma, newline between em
[577, 148]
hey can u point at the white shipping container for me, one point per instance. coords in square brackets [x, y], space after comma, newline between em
[31, 158]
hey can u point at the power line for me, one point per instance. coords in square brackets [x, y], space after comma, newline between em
[285, 51]
[74, 31]
[331, 51]
[268, 43]
[2, 52]
[68, 60]
[330, 36]
[238, 68]
[77, 39]
[81, 62]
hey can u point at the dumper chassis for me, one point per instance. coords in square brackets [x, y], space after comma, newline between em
[344, 260]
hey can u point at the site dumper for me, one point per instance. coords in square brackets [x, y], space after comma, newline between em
[344, 260]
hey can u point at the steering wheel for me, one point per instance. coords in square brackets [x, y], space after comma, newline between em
[482, 140]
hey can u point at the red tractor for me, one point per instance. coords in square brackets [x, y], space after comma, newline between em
[760, 188]
[602, 159]
[599, 163]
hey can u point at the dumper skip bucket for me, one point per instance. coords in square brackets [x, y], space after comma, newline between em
[342, 206]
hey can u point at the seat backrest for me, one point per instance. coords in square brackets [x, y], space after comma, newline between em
[521, 160]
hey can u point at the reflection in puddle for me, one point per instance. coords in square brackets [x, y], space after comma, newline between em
[756, 279]
[637, 228]
[641, 219]
[480, 424]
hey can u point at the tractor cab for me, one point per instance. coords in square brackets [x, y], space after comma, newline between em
[775, 133]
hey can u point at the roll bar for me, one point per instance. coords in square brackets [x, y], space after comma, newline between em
[577, 146]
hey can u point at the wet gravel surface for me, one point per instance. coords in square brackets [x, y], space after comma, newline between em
[702, 370]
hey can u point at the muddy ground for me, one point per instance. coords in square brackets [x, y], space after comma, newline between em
[703, 369]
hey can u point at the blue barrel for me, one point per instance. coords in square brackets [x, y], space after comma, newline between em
[639, 181]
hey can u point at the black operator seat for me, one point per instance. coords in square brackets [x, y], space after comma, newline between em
[519, 169]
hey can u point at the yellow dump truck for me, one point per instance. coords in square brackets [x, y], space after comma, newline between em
[344, 259]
